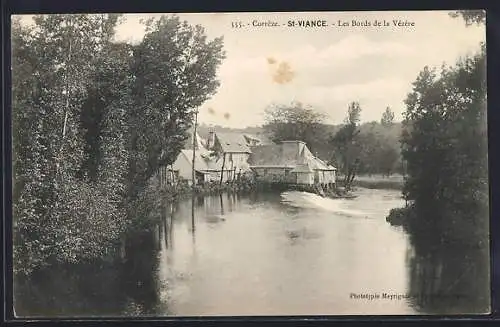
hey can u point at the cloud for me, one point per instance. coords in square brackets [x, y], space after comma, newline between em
[352, 48]
[311, 65]
[324, 68]
[374, 96]
[248, 84]
[375, 89]
[306, 56]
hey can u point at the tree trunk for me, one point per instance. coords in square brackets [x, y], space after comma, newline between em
[66, 109]
[173, 174]
[193, 172]
[67, 88]
[346, 173]
[223, 167]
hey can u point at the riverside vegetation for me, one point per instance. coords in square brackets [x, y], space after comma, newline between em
[94, 119]
[445, 146]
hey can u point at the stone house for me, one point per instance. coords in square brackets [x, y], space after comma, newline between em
[231, 151]
[290, 162]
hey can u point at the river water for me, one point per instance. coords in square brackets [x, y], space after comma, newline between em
[269, 254]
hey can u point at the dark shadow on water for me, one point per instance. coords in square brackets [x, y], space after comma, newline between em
[124, 287]
[449, 265]
[449, 280]
[140, 267]
[80, 290]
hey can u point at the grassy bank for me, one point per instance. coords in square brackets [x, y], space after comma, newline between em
[393, 182]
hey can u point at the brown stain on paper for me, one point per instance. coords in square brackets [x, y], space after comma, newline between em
[271, 60]
[281, 73]
[213, 112]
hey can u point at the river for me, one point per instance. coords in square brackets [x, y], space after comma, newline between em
[269, 254]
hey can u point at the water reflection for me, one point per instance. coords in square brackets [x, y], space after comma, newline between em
[141, 285]
[66, 292]
[449, 280]
[120, 287]
[257, 255]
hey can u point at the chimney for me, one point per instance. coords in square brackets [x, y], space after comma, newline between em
[211, 138]
[291, 149]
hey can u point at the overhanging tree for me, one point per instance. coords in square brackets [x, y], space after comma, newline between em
[445, 148]
[175, 68]
[90, 113]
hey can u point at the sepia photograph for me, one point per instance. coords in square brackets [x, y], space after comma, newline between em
[250, 164]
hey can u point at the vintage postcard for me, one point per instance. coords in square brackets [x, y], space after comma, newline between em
[250, 164]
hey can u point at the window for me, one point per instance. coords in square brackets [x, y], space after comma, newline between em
[265, 171]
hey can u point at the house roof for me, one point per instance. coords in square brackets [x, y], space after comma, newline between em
[200, 164]
[330, 167]
[233, 142]
[273, 155]
[200, 142]
[315, 162]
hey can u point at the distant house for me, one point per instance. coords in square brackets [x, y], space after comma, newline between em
[209, 159]
[227, 156]
[199, 144]
[290, 162]
[183, 167]
[206, 169]
[231, 152]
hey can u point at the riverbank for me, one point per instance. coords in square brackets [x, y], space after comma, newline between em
[161, 264]
[182, 190]
[393, 182]
[400, 217]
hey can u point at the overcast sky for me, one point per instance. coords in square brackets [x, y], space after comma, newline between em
[330, 67]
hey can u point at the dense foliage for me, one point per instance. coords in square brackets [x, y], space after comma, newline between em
[387, 117]
[369, 148]
[295, 122]
[347, 145]
[445, 146]
[92, 121]
[470, 17]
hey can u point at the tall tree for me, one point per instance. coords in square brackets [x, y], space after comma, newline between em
[387, 158]
[346, 143]
[445, 147]
[56, 207]
[387, 117]
[93, 120]
[175, 70]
